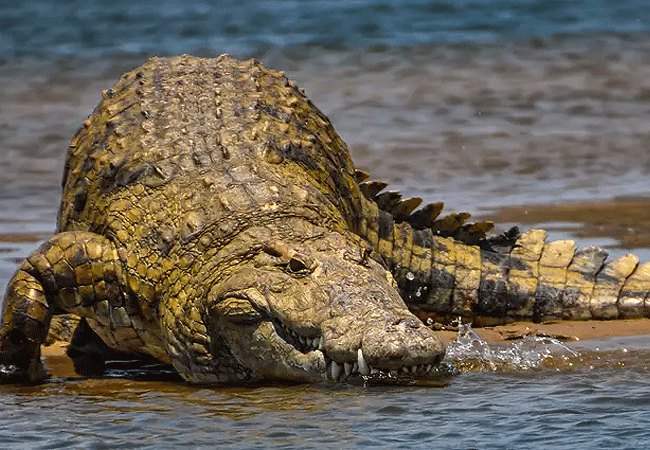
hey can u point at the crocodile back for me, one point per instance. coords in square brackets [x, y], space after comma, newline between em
[172, 137]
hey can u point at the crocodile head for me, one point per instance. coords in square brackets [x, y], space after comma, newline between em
[322, 309]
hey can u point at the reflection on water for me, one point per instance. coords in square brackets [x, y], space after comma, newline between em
[504, 409]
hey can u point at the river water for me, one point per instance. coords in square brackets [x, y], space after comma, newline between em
[480, 103]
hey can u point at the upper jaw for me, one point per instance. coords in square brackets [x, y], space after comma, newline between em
[275, 351]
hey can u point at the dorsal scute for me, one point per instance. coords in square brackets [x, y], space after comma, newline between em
[188, 124]
[370, 189]
[361, 175]
[453, 225]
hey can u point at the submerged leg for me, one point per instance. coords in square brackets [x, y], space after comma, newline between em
[69, 273]
[87, 351]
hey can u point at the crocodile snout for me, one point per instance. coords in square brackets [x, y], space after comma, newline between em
[403, 341]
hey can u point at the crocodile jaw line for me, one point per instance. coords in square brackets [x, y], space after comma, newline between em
[315, 365]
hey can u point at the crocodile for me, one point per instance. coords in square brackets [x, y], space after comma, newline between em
[209, 219]
[212, 218]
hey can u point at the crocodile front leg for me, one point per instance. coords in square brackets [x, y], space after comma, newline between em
[71, 272]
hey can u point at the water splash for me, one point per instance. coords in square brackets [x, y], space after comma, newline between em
[469, 352]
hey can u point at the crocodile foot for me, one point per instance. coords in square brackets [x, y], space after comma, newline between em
[13, 374]
[20, 360]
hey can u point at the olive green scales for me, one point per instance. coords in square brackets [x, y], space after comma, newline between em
[212, 218]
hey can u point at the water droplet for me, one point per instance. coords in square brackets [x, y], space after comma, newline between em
[470, 352]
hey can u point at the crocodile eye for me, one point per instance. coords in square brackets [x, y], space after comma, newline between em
[300, 265]
[289, 260]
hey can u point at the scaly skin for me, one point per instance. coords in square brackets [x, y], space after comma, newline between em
[445, 269]
[209, 218]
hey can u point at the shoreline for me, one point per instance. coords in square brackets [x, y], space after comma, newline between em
[59, 365]
[570, 331]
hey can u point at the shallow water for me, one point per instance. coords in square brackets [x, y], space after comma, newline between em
[557, 406]
[481, 104]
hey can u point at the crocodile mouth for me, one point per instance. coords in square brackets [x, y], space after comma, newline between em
[359, 369]
[305, 340]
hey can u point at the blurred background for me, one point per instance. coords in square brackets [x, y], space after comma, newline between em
[479, 103]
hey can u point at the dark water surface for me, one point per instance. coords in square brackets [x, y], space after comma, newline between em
[479, 103]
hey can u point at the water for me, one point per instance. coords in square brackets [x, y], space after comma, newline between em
[478, 103]
[574, 404]
[94, 28]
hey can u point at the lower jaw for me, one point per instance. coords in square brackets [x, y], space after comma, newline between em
[350, 372]
[358, 370]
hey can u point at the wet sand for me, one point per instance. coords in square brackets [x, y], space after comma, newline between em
[563, 331]
[57, 362]
[625, 219]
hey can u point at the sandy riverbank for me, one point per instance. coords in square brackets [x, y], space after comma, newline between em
[566, 331]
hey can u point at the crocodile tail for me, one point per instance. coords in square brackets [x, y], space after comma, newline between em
[500, 279]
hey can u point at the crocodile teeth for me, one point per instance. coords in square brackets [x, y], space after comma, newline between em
[363, 367]
[335, 370]
[348, 368]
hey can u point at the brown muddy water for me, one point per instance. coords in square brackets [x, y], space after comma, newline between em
[551, 133]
